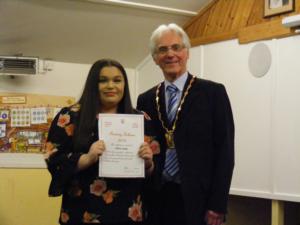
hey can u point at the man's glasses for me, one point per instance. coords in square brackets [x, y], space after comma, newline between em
[162, 50]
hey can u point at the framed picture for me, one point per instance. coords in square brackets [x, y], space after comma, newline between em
[274, 7]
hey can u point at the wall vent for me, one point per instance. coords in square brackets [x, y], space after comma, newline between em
[15, 66]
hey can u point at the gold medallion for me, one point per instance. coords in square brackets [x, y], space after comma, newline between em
[169, 135]
[170, 139]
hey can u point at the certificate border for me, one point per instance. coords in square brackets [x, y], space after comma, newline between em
[141, 118]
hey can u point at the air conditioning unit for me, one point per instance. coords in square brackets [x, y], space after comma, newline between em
[291, 21]
[16, 66]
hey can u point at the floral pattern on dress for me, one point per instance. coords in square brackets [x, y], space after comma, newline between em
[109, 196]
[63, 120]
[98, 187]
[135, 212]
[69, 129]
[64, 217]
[90, 218]
[154, 145]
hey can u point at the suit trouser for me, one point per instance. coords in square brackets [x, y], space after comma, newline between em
[171, 206]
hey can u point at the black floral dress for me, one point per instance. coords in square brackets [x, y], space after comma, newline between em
[88, 198]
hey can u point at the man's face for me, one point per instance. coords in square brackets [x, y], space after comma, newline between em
[171, 55]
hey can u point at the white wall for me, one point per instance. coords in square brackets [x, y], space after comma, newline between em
[195, 61]
[286, 118]
[266, 112]
[66, 79]
[148, 75]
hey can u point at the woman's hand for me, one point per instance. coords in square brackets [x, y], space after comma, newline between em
[145, 153]
[214, 218]
[88, 159]
[96, 150]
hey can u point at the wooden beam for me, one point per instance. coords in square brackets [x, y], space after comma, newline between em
[277, 212]
[214, 38]
[267, 30]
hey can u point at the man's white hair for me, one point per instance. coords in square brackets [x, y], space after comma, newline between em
[158, 32]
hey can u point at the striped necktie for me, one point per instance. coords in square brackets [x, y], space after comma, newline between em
[171, 162]
[173, 101]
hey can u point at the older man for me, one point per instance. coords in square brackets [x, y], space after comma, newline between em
[194, 121]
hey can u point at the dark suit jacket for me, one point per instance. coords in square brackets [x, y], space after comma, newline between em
[204, 141]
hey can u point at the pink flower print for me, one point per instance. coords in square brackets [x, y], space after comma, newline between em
[155, 147]
[90, 217]
[64, 217]
[63, 120]
[69, 129]
[109, 196]
[98, 187]
[135, 211]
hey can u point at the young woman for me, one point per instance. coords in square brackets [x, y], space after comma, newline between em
[73, 150]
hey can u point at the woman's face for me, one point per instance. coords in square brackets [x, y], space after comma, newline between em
[111, 86]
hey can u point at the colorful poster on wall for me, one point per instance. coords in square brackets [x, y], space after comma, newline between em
[24, 126]
[38, 115]
[4, 114]
[2, 130]
[20, 117]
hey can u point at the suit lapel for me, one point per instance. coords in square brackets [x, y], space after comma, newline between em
[162, 104]
[186, 84]
[188, 100]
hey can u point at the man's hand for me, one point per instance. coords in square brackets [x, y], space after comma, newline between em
[214, 218]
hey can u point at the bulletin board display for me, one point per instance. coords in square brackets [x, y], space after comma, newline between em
[25, 120]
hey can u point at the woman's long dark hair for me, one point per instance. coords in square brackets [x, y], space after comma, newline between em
[90, 103]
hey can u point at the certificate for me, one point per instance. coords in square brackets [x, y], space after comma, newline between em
[122, 134]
